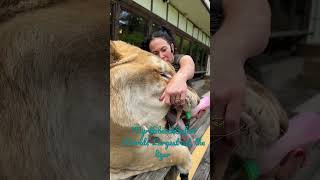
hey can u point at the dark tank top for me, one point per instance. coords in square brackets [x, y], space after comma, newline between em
[176, 61]
[176, 65]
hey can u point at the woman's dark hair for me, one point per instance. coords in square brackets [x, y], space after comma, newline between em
[163, 33]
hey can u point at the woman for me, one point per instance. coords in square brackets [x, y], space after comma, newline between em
[161, 43]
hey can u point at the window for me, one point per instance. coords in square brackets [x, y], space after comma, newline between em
[155, 27]
[132, 28]
[201, 59]
[178, 42]
[133, 23]
[185, 49]
[195, 51]
[205, 60]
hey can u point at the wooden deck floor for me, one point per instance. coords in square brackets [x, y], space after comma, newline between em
[202, 172]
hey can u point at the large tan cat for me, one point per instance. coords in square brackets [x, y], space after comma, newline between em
[52, 105]
[137, 79]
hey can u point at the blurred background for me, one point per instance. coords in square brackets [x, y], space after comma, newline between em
[290, 65]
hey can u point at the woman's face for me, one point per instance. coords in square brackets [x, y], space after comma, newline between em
[161, 48]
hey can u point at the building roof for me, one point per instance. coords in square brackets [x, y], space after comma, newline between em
[198, 11]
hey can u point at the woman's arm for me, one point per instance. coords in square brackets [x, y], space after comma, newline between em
[244, 33]
[175, 92]
[245, 30]
[186, 70]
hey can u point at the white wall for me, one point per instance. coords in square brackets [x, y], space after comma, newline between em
[160, 8]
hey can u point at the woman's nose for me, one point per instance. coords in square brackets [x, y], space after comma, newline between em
[161, 55]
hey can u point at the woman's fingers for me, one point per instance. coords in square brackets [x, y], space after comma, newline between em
[182, 99]
[218, 116]
[166, 98]
[173, 99]
[232, 120]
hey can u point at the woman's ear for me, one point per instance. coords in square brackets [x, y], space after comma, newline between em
[172, 48]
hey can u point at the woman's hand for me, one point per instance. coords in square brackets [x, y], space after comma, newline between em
[175, 92]
[228, 94]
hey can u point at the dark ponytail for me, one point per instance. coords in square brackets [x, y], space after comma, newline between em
[163, 33]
